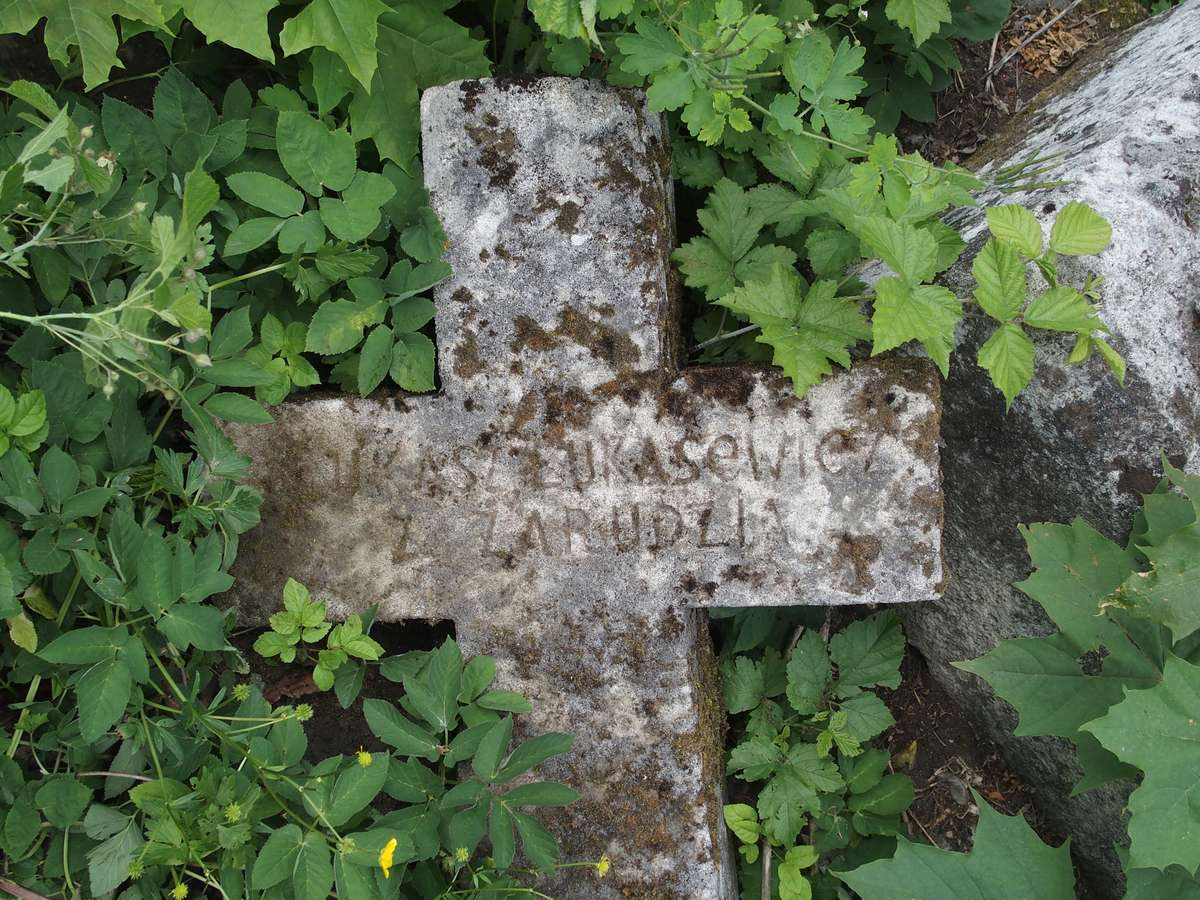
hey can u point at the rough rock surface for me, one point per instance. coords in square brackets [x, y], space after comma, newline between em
[1076, 444]
[570, 499]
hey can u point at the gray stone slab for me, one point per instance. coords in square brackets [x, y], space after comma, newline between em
[1127, 121]
[571, 500]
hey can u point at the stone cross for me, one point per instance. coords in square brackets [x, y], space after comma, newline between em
[571, 499]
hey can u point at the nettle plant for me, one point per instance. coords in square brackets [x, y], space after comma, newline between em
[1120, 677]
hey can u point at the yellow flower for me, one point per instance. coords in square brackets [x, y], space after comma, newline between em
[461, 855]
[385, 857]
[179, 891]
[602, 867]
[364, 758]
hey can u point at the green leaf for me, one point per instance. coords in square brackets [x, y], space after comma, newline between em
[277, 858]
[1059, 682]
[568, 18]
[539, 845]
[808, 332]
[59, 475]
[808, 673]
[237, 372]
[868, 652]
[819, 73]
[80, 646]
[108, 861]
[62, 800]
[250, 235]
[727, 253]
[742, 683]
[395, 730]
[266, 192]
[533, 752]
[793, 792]
[923, 18]
[926, 313]
[1015, 225]
[195, 625]
[890, 797]
[314, 156]
[375, 359]
[1167, 594]
[541, 793]
[1079, 230]
[103, 695]
[338, 325]
[1000, 280]
[22, 632]
[348, 28]
[866, 716]
[412, 362]
[357, 213]
[910, 252]
[238, 23]
[1008, 358]
[504, 701]
[237, 408]
[490, 752]
[85, 24]
[130, 133]
[742, 820]
[20, 826]
[355, 788]
[312, 878]
[1062, 308]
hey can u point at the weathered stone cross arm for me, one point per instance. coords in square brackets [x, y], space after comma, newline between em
[570, 498]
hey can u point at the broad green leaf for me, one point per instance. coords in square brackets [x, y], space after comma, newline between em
[277, 858]
[533, 752]
[314, 156]
[131, 135]
[236, 372]
[866, 716]
[338, 325]
[108, 861]
[348, 28]
[923, 18]
[22, 632]
[504, 701]
[62, 800]
[653, 48]
[85, 24]
[568, 18]
[238, 23]
[412, 362]
[926, 313]
[806, 332]
[194, 624]
[355, 788]
[1079, 230]
[305, 233]
[890, 797]
[238, 408]
[742, 683]
[1008, 358]
[250, 235]
[491, 749]
[808, 673]
[357, 213]
[793, 793]
[1155, 730]
[395, 730]
[1062, 309]
[375, 359]
[742, 820]
[910, 252]
[727, 253]
[103, 692]
[1168, 594]
[59, 475]
[539, 845]
[1015, 225]
[868, 652]
[1007, 860]
[267, 193]
[80, 646]
[1000, 280]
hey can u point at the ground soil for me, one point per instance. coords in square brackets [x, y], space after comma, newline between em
[977, 104]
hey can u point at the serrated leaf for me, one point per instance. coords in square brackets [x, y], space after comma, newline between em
[1168, 594]
[868, 652]
[412, 362]
[807, 333]
[742, 683]
[314, 156]
[337, 325]
[923, 18]
[238, 23]
[1008, 358]
[910, 251]
[1007, 860]
[348, 28]
[1000, 280]
[1079, 230]
[1156, 731]
[808, 673]
[1062, 308]
[1015, 225]
[926, 313]
[395, 730]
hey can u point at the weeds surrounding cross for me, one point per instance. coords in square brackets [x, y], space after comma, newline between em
[571, 499]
